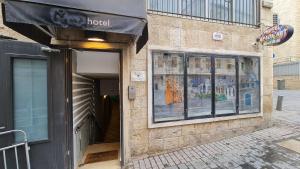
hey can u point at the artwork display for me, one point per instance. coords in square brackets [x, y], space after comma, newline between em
[199, 86]
[174, 74]
[168, 87]
[225, 86]
[249, 85]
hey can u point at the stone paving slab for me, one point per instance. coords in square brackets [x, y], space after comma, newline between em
[258, 150]
[291, 144]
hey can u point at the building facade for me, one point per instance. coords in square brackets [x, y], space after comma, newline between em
[287, 55]
[177, 59]
[201, 77]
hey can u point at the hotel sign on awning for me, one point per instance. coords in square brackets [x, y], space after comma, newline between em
[44, 20]
[37, 14]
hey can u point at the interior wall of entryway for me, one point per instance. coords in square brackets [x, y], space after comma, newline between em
[127, 53]
[90, 70]
[98, 63]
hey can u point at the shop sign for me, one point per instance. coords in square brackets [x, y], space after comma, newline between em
[217, 36]
[276, 35]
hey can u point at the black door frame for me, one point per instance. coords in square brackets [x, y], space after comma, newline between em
[69, 101]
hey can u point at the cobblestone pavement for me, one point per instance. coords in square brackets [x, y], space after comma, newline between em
[258, 150]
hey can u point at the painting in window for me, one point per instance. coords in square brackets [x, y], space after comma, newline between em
[199, 86]
[168, 81]
[225, 87]
[249, 85]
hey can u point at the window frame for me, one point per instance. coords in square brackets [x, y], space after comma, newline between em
[228, 9]
[49, 98]
[213, 58]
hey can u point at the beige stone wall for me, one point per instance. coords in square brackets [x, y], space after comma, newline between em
[289, 13]
[291, 82]
[171, 33]
[11, 33]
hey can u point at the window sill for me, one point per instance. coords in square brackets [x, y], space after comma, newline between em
[199, 121]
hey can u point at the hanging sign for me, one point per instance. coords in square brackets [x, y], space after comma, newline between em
[276, 35]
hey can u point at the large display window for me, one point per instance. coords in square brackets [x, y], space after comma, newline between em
[168, 86]
[225, 86]
[199, 86]
[190, 86]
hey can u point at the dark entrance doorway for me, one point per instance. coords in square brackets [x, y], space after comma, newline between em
[32, 99]
[96, 109]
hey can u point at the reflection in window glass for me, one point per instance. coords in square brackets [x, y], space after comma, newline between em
[249, 85]
[168, 86]
[199, 86]
[30, 98]
[225, 87]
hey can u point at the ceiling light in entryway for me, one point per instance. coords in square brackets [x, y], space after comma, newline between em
[96, 39]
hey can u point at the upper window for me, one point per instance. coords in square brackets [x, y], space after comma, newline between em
[245, 12]
[30, 98]
[189, 86]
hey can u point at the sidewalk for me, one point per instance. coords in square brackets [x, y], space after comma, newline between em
[291, 106]
[273, 148]
[251, 151]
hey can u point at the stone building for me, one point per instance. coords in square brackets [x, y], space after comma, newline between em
[170, 34]
[200, 78]
[287, 55]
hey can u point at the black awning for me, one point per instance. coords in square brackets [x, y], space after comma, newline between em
[24, 17]
[132, 8]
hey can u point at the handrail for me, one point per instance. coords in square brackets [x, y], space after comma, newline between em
[15, 131]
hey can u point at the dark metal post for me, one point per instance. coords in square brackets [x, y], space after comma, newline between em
[279, 103]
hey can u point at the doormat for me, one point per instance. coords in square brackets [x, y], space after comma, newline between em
[102, 156]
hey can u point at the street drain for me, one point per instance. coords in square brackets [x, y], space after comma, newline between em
[291, 144]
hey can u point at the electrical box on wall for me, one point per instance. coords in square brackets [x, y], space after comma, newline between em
[131, 92]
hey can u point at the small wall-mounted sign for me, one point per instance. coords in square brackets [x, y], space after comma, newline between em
[218, 36]
[138, 76]
[276, 35]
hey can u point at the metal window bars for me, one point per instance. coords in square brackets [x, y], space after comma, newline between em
[15, 147]
[240, 12]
